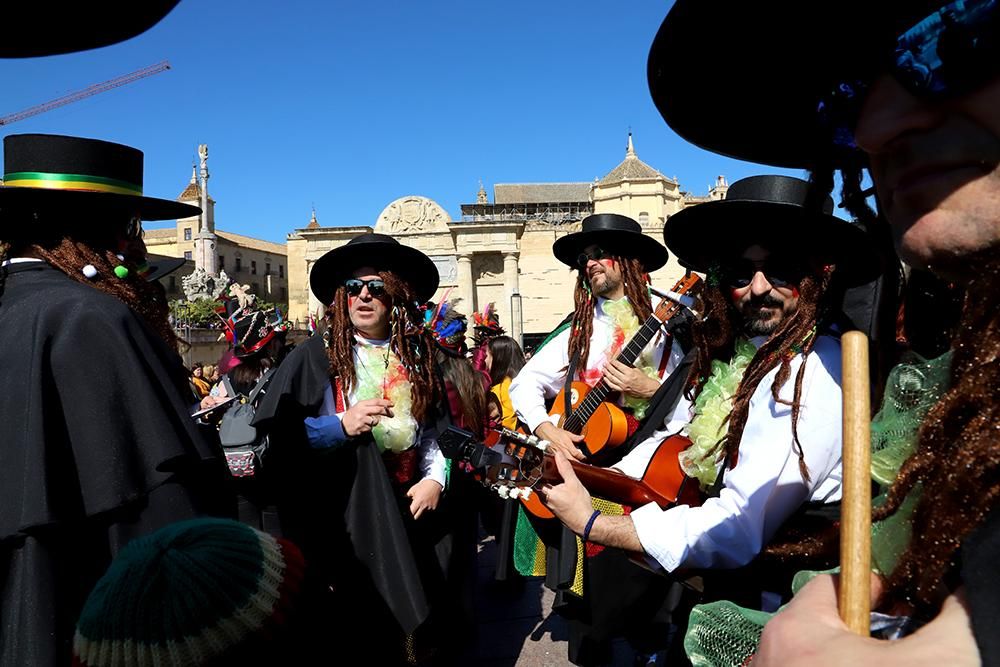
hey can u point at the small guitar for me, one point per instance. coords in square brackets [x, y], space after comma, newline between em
[517, 464]
[601, 422]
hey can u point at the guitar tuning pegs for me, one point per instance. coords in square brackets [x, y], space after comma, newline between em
[503, 492]
[525, 493]
[543, 445]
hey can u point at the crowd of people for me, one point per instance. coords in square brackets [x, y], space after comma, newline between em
[291, 498]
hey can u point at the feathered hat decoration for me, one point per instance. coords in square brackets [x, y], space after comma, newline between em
[487, 324]
[248, 331]
[447, 325]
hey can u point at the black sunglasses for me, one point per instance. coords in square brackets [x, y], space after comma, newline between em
[777, 275]
[947, 53]
[597, 254]
[376, 286]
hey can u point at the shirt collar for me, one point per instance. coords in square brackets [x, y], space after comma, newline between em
[599, 306]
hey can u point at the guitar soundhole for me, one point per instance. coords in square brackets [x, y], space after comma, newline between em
[574, 396]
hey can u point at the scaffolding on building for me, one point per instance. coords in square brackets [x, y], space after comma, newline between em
[552, 213]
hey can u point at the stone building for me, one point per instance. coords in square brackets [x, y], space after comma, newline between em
[501, 251]
[261, 264]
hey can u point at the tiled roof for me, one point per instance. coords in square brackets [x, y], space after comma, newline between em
[168, 233]
[630, 169]
[255, 244]
[191, 192]
[540, 193]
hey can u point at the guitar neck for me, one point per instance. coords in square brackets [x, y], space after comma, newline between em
[609, 484]
[600, 393]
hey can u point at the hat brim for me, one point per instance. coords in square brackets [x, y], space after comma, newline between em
[42, 32]
[781, 58]
[160, 266]
[648, 251]
[146, 208]
[717, 232]
[332, 269]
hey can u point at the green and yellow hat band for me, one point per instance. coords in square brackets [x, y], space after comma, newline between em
[38, 179]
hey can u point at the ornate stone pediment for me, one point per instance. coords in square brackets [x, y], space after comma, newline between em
[412, 215]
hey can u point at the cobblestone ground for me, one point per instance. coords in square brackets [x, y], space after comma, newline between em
[516, 626]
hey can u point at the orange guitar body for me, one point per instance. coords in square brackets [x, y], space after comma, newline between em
[607, 427]
[664, 481]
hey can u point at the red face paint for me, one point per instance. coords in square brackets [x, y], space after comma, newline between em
[795, 292]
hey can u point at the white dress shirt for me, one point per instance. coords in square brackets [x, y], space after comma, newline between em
[765, 487]
[545, 373]
[432, 461]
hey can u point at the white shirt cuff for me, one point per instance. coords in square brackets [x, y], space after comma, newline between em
[654, 536]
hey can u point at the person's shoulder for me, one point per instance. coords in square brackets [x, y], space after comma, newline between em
[71, 304]
[827, 345]
[827, 352]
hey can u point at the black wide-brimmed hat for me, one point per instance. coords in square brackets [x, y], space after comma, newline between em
[777, 59]
[617, 234]
[158, 266]
[37, 29]
[55, 172]
[770, 211]
[381, 252]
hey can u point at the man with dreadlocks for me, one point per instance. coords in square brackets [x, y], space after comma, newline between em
[604, 594]
[613, 259]
[765, 381]
[353, 416]
[886, 99]
[97, 439]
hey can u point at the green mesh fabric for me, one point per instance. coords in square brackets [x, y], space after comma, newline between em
[724, 634]
[911, 389]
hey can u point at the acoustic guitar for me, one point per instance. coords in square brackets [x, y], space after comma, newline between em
[515, 464]
[602, 423]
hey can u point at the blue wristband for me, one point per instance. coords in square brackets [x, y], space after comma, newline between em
[590, 524]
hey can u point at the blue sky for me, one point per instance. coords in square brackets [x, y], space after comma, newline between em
[350, 105]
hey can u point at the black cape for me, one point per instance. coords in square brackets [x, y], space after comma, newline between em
[97, 448]
[366, 557]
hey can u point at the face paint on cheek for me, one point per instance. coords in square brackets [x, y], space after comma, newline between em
[795, 292]
[735, 294]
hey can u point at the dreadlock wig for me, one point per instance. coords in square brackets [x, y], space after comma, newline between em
[634, 278]
[69, 243]
[408, 339]
[956, 466]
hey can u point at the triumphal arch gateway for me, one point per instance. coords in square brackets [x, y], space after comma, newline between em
[501, 251]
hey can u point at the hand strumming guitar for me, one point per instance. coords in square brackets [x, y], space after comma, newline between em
[561, 440]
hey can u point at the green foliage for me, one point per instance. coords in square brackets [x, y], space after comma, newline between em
[199, 314]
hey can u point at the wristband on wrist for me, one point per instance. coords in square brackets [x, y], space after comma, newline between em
[590, 524]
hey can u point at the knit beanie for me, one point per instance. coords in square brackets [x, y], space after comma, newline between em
[188, 594]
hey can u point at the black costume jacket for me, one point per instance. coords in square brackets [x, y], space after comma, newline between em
[96, 447]
[373, 571]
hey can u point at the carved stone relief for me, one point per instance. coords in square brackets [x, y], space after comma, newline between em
[412, 215]
[447, 266]
[488, 268]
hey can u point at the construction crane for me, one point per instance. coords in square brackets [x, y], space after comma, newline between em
[86, 92]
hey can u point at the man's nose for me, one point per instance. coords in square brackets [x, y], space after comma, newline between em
[760, 285]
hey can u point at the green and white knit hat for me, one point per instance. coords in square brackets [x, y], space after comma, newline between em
[188, 594]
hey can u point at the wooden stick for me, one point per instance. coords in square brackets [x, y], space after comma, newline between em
[856, 507]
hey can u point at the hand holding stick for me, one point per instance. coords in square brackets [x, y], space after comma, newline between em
[856, 506]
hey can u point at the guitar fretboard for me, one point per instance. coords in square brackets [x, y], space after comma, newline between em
[628, 355]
